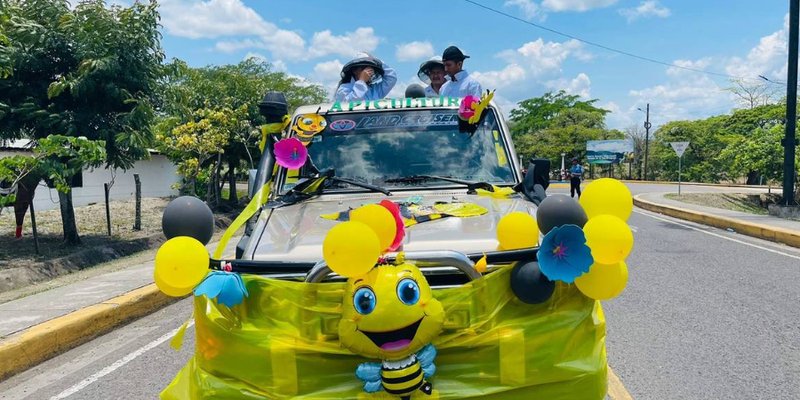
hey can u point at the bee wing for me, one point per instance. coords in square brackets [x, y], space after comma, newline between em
[370, 373]
[426, 357]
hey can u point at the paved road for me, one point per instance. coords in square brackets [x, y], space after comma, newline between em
[707, 314]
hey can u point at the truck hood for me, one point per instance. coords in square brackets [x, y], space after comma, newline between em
[295, 233]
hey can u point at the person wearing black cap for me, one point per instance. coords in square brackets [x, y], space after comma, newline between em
[432, 73]
[460, 83]
[365, 78]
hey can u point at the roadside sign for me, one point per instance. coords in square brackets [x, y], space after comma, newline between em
[679, 147]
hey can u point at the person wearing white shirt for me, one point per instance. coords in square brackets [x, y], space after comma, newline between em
[460, 83]
[432, 73]
[365, 78]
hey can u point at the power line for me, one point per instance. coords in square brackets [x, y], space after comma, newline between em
[611, 49]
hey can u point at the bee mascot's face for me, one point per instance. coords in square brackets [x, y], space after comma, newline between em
[389, 313]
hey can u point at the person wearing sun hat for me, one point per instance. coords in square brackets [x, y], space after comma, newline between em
[432, 73]
[365, 78]
[460, 83]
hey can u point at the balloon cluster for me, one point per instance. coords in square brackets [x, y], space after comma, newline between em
[182, 262]
[584, 242]
[608, 204]
[352, 248]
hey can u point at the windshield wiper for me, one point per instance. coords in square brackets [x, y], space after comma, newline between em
[471, 186]
[367, 186]
[315, 186]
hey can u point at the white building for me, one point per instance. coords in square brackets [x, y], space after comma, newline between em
[157, 176]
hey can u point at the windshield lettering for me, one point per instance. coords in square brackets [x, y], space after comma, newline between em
[384, 104]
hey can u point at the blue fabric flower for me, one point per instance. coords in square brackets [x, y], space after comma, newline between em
[564, 255]
[227, 287]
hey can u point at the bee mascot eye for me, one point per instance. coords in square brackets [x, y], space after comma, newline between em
[308, 121]
[408, 291]
[364, 301]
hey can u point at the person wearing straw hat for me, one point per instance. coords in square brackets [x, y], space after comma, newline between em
[460, 83]
[365, 78]
[432, 73]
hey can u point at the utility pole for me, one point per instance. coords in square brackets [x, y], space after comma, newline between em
[647, 126]
[789, 141]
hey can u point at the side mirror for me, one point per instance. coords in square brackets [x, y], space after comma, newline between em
[251, 182]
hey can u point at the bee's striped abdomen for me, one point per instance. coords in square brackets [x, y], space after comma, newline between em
[403, 381]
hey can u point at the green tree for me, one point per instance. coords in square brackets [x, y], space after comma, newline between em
[236, 87]
[557, 123]
[90, 71]
[56, 158]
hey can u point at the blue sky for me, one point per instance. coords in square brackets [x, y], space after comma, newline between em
[312, 39]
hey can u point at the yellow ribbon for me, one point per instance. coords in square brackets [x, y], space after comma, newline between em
[276, 127]
[259, 199]
[480, 107]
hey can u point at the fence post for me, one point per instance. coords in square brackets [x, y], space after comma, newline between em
[35, 233]
[137, 221]
[108, 210]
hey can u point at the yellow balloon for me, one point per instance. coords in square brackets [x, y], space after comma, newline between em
[181, 264]
[603, 282]
[609, 238]
[380, 220]
[517, 230]
[607, 196]
[351, 249]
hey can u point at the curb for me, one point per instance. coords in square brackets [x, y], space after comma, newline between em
[48, 339]
[765, 232]
[775, 188]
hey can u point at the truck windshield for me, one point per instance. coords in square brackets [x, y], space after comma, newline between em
[378, 147]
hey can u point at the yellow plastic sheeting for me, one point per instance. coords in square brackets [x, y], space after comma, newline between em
[282, 343]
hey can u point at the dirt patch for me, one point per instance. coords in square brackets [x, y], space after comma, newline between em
[749, 203]
[20, 265]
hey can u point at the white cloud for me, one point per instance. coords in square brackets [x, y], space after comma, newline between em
[277, 65]
[327, 74]
[347, 45]
[528, 8]
[542, 57]
[648, 8]
[212, 19]
[768, 58]
[575, 5]
[414, 51]
[511, 75]
[580, 85]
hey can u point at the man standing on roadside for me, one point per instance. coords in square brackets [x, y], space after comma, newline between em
[460, 83]
[575, 175]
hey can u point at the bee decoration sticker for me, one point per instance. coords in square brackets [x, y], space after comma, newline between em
[307, 126]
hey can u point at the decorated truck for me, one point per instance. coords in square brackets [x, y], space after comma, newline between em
[394, 249]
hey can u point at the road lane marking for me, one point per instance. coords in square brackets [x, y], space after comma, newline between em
[616, 390]
[648, 214]
[116, 365]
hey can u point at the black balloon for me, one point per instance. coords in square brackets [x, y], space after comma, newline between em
[529, 283]
[557, 210]
[188, 216]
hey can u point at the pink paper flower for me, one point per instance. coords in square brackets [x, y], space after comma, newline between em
[290, 153]
[465, 109]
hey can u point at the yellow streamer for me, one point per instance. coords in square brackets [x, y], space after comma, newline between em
[177, 341]
[259, 199]
[276, 127]
[480, 107]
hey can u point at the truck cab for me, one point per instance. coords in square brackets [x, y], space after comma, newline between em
[399, 146]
